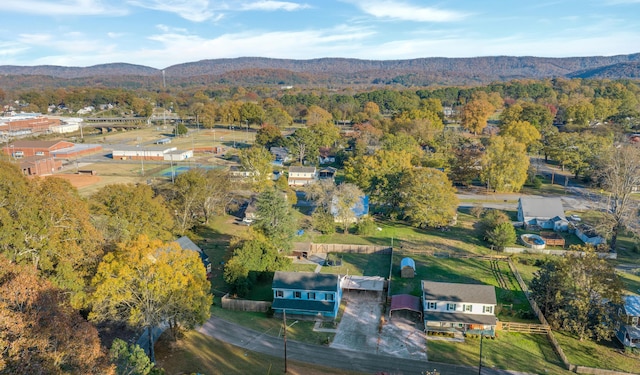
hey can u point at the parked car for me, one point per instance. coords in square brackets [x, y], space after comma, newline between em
[575, 218]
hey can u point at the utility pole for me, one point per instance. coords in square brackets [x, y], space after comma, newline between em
[172, 173]
[284, 321]
[480, 366]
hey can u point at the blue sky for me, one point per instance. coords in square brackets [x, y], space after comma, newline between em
[160, 33]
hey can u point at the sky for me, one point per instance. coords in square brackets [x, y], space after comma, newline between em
[161, 33]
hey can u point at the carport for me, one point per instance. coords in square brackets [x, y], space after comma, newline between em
[405, 302]
[368, 286]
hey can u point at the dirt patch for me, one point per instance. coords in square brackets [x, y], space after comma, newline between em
[79, 180]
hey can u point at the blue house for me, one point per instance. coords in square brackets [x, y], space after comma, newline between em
[306, 293]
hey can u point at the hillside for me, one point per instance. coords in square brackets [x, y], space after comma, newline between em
[435, 71]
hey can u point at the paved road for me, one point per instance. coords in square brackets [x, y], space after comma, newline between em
[330, 357]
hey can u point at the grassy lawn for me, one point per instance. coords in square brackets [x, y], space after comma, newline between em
[509, 351]
[606, 355]
[263, 323]
[200, 354]
[361, 265]
[470, 271]
[630, 282]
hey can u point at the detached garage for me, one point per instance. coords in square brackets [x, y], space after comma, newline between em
[405, 302]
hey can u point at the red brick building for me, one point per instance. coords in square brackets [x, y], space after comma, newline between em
[34, 125]
[57, 149]
[39, 165]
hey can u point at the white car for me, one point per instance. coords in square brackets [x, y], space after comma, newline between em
[575, 218]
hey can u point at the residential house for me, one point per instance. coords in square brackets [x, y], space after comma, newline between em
[301, 176]
[546, 213]
[280, 154]
[628, 326]
[306, 293]
[327, 173]
[459, 308]
[325, 156]
[588, 235]
[186, 244]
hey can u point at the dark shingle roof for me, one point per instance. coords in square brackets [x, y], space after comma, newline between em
[456, 292]
[303, 305]
[305, 281]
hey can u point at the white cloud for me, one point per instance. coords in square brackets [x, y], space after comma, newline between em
[61, 7]
[269, 5]
[192, 10]
[407, 12]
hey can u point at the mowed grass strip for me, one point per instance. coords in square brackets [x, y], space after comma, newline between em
[360, 264]
[606, 355]
[200, 354]
[509, 351]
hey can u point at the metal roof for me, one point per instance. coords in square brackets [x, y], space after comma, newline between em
[632, 305]
[407, 262]
[542, 208]
[405, 302]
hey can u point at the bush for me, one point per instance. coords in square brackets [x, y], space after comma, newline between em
[366, 227]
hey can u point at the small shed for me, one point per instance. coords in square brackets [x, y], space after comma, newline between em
[405, 302]
[407, 268]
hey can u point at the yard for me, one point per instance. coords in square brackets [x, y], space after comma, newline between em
[200, 354]
[606, 355]
[515, 351]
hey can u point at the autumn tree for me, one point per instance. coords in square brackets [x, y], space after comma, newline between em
[145, 282]
[40, 333]
[317, 115]
[466, 164]
[620, 176]
[257, 160]
[427, 198]
[579, 294]
[269, 136]
[521, 131]
[45, 223]
[125, 211]
[505, 164]
[475, 114]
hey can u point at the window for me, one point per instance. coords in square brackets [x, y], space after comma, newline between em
[297, 295]
[432, 305]
[451, 306]
[467, 308]
[311, 295]
[634, 320]
[487, 309]
[39, 153]
[328, 296]
[279, 294]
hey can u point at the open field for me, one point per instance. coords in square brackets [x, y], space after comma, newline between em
[197, 353]
[515, 351]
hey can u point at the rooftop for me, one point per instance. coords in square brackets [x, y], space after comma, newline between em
[305, 281]
[456, 292]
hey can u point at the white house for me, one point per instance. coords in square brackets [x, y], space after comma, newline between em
[628, 326]
[546, 213]
[459, 307]
[301, 176]
[306, 293]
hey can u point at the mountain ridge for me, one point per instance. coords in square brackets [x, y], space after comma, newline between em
[419, 71]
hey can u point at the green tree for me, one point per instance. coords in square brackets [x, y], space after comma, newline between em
[125, 211]
[346, 201]
[521, 131]
[580, 113]
[181, 130]
[323, 221]
[428, 198]
[502, 235]
[278, 117]
[257, 160]
[505, 164]
[269, 136]
[304, 144]
[148, 282]
[579, 294]
[275, 219]
[129, 359]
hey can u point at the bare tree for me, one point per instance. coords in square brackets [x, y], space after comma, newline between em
[620, 177]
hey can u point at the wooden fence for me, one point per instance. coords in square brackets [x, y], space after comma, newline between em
[235, 304]
[540, 329]
[345, 248]
[543, 320]
[598, 371]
